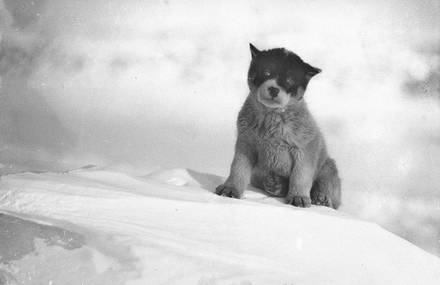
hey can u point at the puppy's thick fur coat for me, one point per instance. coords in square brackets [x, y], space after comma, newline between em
[279, 146]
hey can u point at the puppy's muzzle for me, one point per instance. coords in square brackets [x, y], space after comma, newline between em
[273, 91]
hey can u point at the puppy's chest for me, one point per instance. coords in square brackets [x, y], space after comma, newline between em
[275, 143]
[276, 131]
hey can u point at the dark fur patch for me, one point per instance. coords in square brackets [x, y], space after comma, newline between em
[289, 70]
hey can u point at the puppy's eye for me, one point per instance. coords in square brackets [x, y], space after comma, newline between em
[267, 73]
[290, 81]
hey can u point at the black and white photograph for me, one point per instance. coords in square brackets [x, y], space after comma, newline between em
[235, 142]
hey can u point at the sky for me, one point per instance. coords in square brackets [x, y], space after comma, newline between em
[141, 85]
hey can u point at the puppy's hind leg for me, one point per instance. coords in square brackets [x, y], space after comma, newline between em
[326, 189]
[270, 182]
[276, 185]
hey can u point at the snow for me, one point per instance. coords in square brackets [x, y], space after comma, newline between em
[168, 227]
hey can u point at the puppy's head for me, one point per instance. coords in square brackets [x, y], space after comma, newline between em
[278, 77]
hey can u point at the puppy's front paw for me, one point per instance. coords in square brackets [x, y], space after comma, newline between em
[300, 201]
[227, 191]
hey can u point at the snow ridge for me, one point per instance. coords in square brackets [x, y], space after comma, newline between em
[179, 232]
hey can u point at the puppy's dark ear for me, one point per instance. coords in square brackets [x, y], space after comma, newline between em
[310, 70]
[254, 50]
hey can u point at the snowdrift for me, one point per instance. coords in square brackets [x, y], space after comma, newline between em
[96, 226]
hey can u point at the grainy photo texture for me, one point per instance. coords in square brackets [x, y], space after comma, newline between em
[201, 142]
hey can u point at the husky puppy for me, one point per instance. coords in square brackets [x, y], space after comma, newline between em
[279, 146]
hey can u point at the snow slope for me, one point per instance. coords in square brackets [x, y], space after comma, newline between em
[169, 228]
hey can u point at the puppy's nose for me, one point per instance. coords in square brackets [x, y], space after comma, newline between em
[273, 91]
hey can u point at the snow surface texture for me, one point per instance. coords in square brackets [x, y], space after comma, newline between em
[137, 85]
[169, 228]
